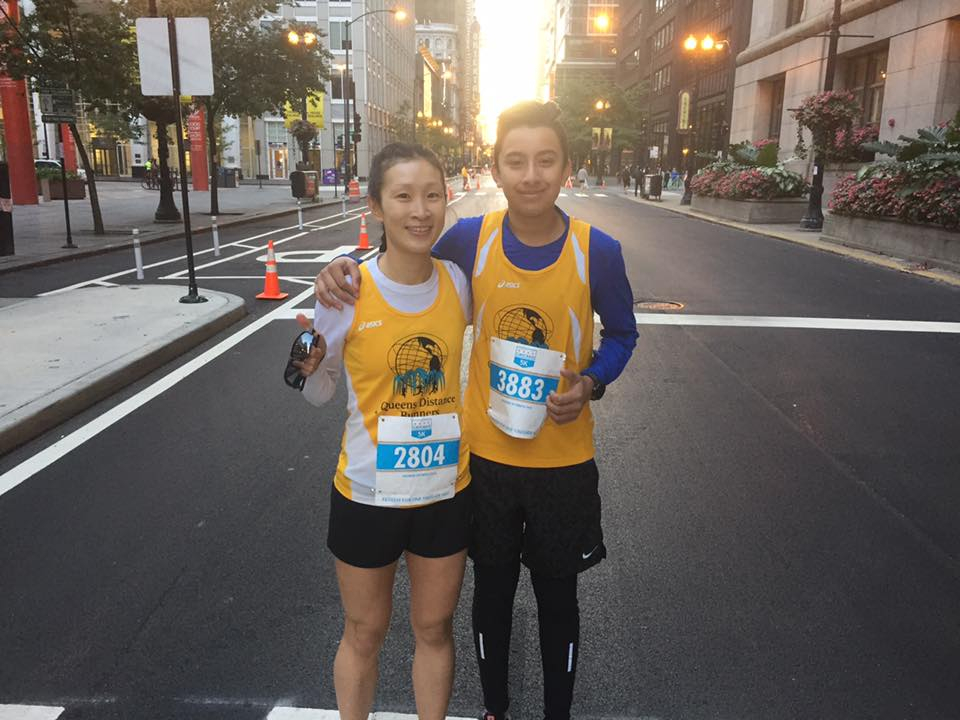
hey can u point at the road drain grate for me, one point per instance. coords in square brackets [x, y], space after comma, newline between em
[657, 305]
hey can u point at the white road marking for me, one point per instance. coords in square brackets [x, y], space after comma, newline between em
[181, 274]
[808, 323]
[293, 713]
[195, 254]
[309, 256]
[581, 194]
[46, 457]
[599, 194]
[46, 712]
[29, 712]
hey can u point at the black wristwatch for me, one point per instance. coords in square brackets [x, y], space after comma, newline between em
[598, 387]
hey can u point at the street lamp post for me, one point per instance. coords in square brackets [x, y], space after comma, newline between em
[306, 41]
[813, 220]
[697, 48]
[400, 14]
[601, 106]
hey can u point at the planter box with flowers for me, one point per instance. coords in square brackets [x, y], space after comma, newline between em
[908, 206]
[829, 116]
[750, 187]
[50, 185]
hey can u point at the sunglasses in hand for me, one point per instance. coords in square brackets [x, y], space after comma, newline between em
[305, 342]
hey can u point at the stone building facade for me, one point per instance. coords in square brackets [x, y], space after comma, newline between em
[906, 73]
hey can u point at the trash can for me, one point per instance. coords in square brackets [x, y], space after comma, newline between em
[653, 186]
[228, 177]
[305, 184]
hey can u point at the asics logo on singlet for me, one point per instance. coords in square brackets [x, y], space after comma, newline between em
[369, 324]
[510, 285]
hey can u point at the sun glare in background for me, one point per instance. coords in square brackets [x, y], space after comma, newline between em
[510, 37]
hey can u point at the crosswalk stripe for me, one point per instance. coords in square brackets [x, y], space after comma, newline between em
[599, 194]
[29, 712]
[293, 713]
[47, 712]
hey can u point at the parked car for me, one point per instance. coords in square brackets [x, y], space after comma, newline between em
[55, 165]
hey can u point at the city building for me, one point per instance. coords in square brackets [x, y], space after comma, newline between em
[381, 76]
[449, 33]
[690, 94]
[583, 43]
[901, 58]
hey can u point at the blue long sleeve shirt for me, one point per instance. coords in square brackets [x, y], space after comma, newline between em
[610, 292]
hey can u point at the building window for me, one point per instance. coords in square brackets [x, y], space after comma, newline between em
[776, 108]
[601, 8]
[661, 79]
[866, 76]
[338, 33]
[794, 12]
[337, 80]
[662, 5]
[663, 38]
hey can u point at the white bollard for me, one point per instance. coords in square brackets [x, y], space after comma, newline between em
[216, 236]
[137, 255]
[343, 206]
[299, 214]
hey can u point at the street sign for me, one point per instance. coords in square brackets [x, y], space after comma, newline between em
[193, 54]
[57, 105]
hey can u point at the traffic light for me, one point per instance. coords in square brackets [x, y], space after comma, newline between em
[340, 141]
[356, 128]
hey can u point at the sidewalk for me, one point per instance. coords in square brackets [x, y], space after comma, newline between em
[40, 230]
[670, 200]
[72, 349]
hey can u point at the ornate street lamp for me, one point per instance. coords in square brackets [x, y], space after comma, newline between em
[697, 49]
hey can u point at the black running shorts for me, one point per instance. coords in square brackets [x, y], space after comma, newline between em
[549, 517]
[368, 536]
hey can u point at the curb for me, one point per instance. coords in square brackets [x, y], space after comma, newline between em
[34, 424]
[885, 261]
[127, 243]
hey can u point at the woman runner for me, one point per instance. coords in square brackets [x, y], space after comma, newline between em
[401, 486]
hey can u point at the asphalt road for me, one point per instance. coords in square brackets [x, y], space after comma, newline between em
[780, 506]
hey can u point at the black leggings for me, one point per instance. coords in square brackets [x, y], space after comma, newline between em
[559, 616]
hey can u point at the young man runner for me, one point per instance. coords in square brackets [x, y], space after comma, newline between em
[537, 278]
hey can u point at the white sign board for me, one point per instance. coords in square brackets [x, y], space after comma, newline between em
[654, 152]
[193, 53]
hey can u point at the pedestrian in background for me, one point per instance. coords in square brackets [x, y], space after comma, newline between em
[583, 178]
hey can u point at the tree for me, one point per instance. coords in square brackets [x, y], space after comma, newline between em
[90, 53]
[255, 69]
[401, 123]
[626, 114]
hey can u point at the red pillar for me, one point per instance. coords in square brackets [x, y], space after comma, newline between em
[16, 125]
[197, 132]
[69, 149]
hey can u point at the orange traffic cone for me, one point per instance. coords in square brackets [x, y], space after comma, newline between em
[364, 242]
[568, 184]
[449, 193]
[478, 182]
[271, 283]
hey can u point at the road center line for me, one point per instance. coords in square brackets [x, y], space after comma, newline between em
[50, 455]
[807, 323]
[757, 321]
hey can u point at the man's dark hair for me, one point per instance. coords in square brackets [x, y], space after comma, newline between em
[389, 156]
[532, 114]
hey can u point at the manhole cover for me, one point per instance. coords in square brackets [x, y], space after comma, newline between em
[657, 305]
